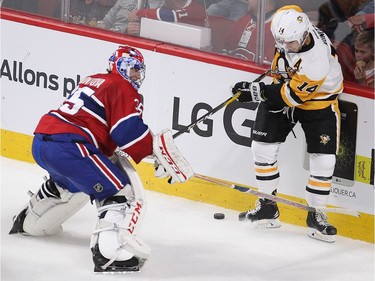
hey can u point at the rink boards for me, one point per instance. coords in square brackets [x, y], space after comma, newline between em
[43, 65]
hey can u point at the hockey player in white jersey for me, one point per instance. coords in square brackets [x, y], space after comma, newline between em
[307, 80]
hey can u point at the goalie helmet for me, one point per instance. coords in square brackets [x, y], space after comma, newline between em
[123, 60]
[290, 25]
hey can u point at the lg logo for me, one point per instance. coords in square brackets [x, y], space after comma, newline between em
[206, 128]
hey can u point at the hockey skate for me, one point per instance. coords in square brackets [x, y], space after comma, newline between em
[319, 228]
[266, 214]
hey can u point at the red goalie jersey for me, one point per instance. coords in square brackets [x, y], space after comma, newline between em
[107, 111]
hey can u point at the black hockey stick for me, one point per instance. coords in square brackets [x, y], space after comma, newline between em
[217, 108]
[277, 198]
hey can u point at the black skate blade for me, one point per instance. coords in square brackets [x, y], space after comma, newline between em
[316, 234]
[132, 265]
[18, 223]
[265, 223]
[116, 270]
[120, 269]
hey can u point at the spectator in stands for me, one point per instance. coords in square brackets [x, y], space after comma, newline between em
[333, 12]
[361, 22]
[184, 11]
[363, 19]
[332, 17]
[89, 11]
[231, 9]
[119, 16]
[207, 3]
[364, 54]
[242, 37]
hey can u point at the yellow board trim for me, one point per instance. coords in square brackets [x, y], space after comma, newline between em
[18, 146]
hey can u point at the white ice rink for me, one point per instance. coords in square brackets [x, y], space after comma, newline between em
[186, 242]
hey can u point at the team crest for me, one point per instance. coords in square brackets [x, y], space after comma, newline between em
[324, 139]
[98, 187]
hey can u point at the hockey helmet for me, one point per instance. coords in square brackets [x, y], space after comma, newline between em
[123, 60]
[290, 25]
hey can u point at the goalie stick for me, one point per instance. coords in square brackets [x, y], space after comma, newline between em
[217, 108]
[277, 198]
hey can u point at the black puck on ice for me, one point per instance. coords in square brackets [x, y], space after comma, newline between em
[219, 216]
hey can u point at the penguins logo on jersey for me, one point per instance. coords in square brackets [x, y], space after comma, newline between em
[324, 139]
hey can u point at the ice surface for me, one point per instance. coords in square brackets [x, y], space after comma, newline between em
[186, 242]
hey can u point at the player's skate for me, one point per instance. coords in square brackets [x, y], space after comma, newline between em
[47, 210]
[265, 213]
[319, 228]
[114, 245]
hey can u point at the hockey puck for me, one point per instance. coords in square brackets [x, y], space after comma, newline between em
[219, 216]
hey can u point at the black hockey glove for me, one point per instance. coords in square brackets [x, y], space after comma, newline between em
[250, 92]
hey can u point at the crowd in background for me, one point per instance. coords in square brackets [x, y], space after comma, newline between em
[233, 23]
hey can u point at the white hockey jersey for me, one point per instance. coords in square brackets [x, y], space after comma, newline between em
[312, 77]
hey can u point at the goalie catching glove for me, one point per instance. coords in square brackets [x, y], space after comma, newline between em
[169, 162]
[250, 92]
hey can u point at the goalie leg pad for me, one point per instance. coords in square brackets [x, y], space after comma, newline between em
[114, 244]
[47, 210]
[170, 158]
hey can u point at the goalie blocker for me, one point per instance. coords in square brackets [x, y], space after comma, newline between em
[168, 159]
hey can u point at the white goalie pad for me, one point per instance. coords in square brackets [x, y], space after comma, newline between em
[45, 216]
[116, 231]
[169, 157]
[136, 192]
[119, 221]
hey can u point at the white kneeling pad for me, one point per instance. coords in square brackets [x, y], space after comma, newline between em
[45, 216]
[171, 161]
[116, 230]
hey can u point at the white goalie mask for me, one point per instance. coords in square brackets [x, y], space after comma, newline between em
[123, 60]
[290, 25]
